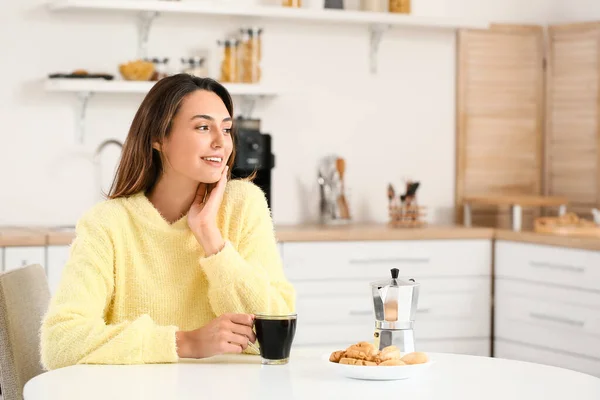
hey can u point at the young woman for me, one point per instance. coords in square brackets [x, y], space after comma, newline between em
[179, 259]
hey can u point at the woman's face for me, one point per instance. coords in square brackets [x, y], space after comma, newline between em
[200, 141]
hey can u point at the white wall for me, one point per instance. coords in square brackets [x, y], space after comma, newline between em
[399, 123]
[575, 10]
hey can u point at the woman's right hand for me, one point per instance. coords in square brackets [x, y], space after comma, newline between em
[228, 333]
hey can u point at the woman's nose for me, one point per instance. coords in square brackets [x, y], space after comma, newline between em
[217, 141]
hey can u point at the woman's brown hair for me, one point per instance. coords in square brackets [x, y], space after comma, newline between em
[141, 165]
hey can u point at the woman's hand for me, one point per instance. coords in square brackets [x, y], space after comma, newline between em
[202, 216]
[228, 333]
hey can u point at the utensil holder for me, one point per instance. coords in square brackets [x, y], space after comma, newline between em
[407, 216]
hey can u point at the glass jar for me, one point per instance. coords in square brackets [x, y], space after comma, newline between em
[194, 66]
[291, 3]
[161, 68]
[399, 6]
[229, 62]
[374, 5]
[250, 55]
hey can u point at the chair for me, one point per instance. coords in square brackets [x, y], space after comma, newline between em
[24, 298]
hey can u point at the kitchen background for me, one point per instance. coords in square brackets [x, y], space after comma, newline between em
[395, 124]
[491, 292]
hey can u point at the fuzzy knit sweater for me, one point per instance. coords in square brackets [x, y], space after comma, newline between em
[133, 280]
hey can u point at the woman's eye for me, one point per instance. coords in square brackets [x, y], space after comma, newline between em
[227, 131]
[202, 127]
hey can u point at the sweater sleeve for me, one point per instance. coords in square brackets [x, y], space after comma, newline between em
[74, 330]
[249, 277]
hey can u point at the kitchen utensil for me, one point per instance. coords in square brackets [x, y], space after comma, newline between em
[395, 305]
[391, 195]
[377, 373]
[343, 204]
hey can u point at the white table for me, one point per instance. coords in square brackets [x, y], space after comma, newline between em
[307, 376]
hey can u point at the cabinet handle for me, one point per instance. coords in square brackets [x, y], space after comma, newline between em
[398, 260]
[356, 313]
[554, 318]
[423, 310]
[562, 267]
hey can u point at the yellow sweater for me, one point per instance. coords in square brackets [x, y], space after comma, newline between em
[133, 280]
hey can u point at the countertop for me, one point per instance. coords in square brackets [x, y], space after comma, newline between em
[42, 236]
[309, 376]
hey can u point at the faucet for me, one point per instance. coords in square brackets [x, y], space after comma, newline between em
[98, 168]
[103, 145]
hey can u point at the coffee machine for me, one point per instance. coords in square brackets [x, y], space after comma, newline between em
[253, 155]
[395, 304]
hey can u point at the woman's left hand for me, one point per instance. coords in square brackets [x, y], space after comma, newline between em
[202, 216]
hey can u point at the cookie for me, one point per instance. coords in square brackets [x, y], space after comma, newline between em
[336, 356]
[354, 361]
[416, 357]
[393, 362]
[361, 351]
[389, 353]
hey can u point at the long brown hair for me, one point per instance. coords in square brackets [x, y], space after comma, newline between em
[141, 165]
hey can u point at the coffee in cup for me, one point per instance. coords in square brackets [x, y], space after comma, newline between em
[275, 334]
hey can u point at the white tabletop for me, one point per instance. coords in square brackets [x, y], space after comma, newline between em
[307, 376]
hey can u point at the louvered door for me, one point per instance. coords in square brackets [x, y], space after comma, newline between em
[573, 115]
[500, 114]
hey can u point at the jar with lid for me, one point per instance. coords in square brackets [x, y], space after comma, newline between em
[250, 55]
[229, 62]
[161, 66]
[374, 5]
[291, 3]
[399, 6]
[194, 66]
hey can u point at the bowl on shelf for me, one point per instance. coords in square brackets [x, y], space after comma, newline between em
[138, 70]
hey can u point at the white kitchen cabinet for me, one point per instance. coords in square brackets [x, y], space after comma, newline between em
[547, 305]
[21, 256]
[334, 301]
[553, 265]
[557, 318]
[57, 258]
[539, 355]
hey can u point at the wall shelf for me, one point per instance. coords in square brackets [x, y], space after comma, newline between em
[377, 22]
[245, 95]
[266, 12]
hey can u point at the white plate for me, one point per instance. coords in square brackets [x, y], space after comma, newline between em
[387, 373]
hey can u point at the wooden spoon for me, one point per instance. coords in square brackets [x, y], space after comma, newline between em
[340, 164]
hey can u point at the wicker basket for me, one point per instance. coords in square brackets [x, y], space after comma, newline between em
[411, 216]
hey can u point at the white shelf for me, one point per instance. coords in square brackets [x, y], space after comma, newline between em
[273, 12]
[245, 95]
[121, 86]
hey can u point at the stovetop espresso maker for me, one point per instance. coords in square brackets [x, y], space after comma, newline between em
[395, 304]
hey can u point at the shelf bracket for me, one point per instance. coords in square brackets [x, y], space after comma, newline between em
[83, 98]
[247, 104]
[145, 21]
[376, 34]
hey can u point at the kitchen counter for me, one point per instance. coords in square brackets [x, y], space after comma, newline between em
[42, 236]
[585, 243]
[364, 232]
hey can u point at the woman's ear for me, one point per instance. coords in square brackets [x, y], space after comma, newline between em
[156, 146]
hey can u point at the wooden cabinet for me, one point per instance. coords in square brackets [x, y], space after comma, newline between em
[547, 302]
[573, 115]
[500, 117]
[528, 117]
[20, 256]
[334, 302]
